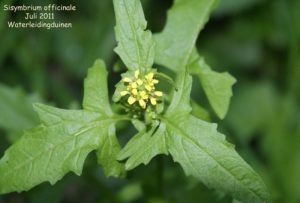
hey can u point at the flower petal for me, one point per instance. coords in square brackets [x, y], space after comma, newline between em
[142, 103]
[131, 100]
[158, 93]
[134, 92]
[153, 101]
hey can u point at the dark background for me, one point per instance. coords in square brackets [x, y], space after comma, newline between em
[257, 41]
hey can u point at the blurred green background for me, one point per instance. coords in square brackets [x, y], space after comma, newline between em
[257, 41]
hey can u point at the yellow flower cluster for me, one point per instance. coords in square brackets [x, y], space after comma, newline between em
[141, 89]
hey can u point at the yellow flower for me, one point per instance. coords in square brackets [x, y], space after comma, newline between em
[153, 101]
[143, 95]
[142, 103]
[158, 93]
[154, 81]
[141, 88]
[133, 85]
[149, 76]
[134, 91]
[148, 87]
[131, 100]
[139, 82]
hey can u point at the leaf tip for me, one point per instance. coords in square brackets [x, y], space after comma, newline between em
[37, 107]
[128, 166]
[120, 157]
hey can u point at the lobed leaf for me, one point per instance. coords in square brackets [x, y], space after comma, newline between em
[96, 100]
[144, 146]
[135, 44]
[180, 104]
[200, 112]
[204, 154]
[108, 152]
[48, 152]
[64, 139]
[175, 43]
[95, 89]
[217, 86]
[198, 147]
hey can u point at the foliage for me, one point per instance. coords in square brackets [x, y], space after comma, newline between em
[179, 124]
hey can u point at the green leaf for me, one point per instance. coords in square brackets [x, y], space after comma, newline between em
[217, 86]
[16, 111]
[135, 44]
[144, 146]
[63, 141]
[204, 154]
[48, 152]
[95, 89]
[198, 147]
[120, 86]
[107, 154]
[175, 50]
[184, 21]
[200, 112]
[180, 104]
[96, 99]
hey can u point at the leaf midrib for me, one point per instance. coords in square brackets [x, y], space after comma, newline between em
[133, 32]
[84, 130]
[186, 136]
